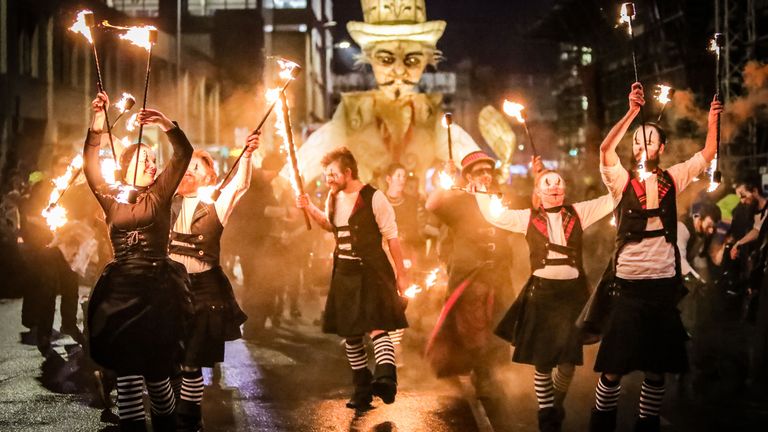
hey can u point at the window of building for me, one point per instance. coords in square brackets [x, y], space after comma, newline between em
[285, 4]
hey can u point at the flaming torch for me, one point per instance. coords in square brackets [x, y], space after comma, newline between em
[55, 216]
[124, 105]
[716, 44]
[514, 109]
[297, 182]
[289, 71]
[84, 25]
[664, 95]
[447, 123]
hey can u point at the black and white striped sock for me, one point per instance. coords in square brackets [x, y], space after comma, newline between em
[383, 349]
[651, 397]
[397, 336]
[130, 397]
[176, 385]
[161, 397]
[192, 386]
[607, 394]
[545, 390]
[356, 354]
[562, 379]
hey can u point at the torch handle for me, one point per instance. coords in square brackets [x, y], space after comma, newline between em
[69, 184]
[143, 107]
[292, 154]
[450, 144]
[530, 138]
[100, 88]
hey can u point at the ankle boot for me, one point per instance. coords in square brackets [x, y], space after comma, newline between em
[188, 416]
[549, 420]
[133, 426]
[648, 424]
[164, 423]
[385, 382]
[363, 394]
[560, 404]
[602, 421]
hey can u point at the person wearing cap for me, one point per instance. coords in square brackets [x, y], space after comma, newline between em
[392, 123]
[642, 331]
[541, 323]
[195, 243]
[479, 270]
[365, 293]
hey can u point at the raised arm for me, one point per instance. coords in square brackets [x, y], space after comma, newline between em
[169, 179]
[91, 165]
[608, 155]
[234, 190]
[710, 146]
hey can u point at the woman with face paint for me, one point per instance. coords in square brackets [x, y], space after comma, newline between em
[196, 243]
[138, 309]
[541, 322]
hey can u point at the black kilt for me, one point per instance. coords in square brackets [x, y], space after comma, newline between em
[643, 331]
[541, 323]
[362, 299]
[137, 316]
[217, 318]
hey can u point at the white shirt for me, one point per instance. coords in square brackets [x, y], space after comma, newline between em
[517, 221]
[382, 211]
[651, 258]
[683, 235]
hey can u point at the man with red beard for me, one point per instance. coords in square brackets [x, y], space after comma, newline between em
[541, 322]
[364, 294]
[643, 330]
[195, 242]
[478, 273]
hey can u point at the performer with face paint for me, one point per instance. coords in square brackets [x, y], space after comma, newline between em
[138, 309]
[541, 322]
[643, 330]
[195, 242]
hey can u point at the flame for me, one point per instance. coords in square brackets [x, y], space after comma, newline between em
[205, 193]
[80, 27]
[412, 290]
[613, 220]
[664, 95]
[286, 69]
[713, 185]
[445, 121]
[132, 123]
[273, 95]
[55, 216]
[514, 109]
[642, 172]
[446, 180]
[625, 17]
[496, 207]
[139, 36]
[123, 105]
[108, 171]
[431, 278]
[122, 196]
[713, 46]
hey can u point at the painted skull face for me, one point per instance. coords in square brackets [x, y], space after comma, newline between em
[398, 66]
[551, 189]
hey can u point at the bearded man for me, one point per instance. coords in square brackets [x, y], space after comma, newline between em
[196, 243]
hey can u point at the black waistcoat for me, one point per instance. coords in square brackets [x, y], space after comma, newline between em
[205, 237]
[475, 240]
[539, 244]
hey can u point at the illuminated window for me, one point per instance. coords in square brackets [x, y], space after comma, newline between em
[285, 4]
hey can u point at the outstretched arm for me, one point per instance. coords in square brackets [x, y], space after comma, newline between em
[91, 165]
[232, 192]
[710, 146]
[608, 155]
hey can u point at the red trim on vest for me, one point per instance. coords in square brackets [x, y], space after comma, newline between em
[539, 221]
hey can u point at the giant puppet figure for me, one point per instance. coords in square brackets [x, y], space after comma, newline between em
[392, 123]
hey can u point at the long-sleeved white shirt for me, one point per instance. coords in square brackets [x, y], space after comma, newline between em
[651, 258]
[517, 221]
[382, 211]
[683, 235]
[230, 195]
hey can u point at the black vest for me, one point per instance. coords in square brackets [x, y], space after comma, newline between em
[632, 217]
[205, 239]
[539, 245]
[475, 240]
[365, 236]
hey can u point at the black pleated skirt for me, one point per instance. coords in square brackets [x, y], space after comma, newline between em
[138, 314]
[643, 331]
[362, 299]
[217, 318]
[541, 324]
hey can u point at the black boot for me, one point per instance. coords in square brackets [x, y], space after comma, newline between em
[549, 420]
[602, 421]
[385, 382]
[133, 426]
[164, 423]
[560, 404]
[363, 395]
[648, 424]
[189, 417]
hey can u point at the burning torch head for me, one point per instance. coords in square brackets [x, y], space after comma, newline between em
[90, 19]
[447, 120]
[628, 10]
[719, 40]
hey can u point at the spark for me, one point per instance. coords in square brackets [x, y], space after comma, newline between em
[412, 290]
[80, 25]
[143, 36]
[132, 122]
[514, 109]
[665, 93]
[431, 278]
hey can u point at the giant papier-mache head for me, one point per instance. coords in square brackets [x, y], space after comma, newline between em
[398, 42]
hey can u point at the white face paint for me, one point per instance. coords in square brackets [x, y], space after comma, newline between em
[551, 190]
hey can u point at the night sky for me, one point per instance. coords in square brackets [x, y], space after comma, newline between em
[490, 32]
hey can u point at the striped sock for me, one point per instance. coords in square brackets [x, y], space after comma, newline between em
[356, 354]
[383, 349]
[562, 379]
[545, 391]
[176, 385]
[161, 397]
[397, 336]
[130, 397]
[607, 394]
[651, 397]
[192, 386]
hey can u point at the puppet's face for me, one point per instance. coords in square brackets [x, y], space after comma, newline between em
[398, 66]
[551, 190]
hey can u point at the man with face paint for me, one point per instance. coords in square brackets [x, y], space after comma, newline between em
[195, 242]
[541, 322]
[364, 298]
[643, 330]
[479, 272]
[393, 123]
